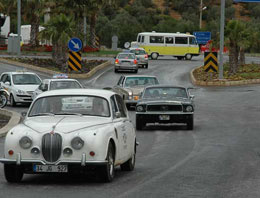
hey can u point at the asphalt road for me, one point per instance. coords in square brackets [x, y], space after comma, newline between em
[220, 158]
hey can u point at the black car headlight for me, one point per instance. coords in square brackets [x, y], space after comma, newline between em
[188, 108]
[141, 108]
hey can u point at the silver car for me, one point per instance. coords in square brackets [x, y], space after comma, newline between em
[126, 61]
[142, 56]
[165, 104]
[130, 87]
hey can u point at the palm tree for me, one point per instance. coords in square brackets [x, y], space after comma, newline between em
[59, 30]
[235, 31]
[33, 18]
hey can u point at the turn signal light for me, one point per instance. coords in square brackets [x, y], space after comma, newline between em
[116, 61]
[135, 61]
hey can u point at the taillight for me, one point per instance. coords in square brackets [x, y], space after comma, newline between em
[146, 55]
[116, 61]
[135, 61]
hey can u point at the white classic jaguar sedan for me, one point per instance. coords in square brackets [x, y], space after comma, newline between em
[71, 130]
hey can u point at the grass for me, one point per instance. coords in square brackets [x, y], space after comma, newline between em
[245, 72]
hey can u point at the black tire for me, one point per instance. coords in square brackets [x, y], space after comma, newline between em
[3, 100]
[146, 66]
[154, 56]
[116, 71]
[188, 56]
[129, 165]
[12, 101]
[108, 171]
[190, 123]
[13, 173]
[140, 124]
[179, 57]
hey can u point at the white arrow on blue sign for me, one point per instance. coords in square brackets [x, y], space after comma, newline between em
[75, 44]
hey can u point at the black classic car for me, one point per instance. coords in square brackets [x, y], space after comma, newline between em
[165, 104]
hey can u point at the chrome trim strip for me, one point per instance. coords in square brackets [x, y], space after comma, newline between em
[18, 159]
[83, 159]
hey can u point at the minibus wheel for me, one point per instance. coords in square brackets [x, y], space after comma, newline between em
[154, 55]
[188, 56]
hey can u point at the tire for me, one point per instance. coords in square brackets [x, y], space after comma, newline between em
[154, 56]
[190, 123]
[179, 57]
[188, 56]
[146, 66]
[116, 70]
[140, 124]
[108, 171]
[13, 173]
[3, 100]
[12, 101]
[129, 165]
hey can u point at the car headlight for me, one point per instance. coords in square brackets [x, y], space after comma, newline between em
[130, 95]
[140, 108]
[20, 91]
[77, 143]
[188, 108]
[25, 142]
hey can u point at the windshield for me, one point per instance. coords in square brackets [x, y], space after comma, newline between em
[26, 79]
[64, 85]
[138, 52]
[166, 92]
[126, 56]
[140, 81]
[70, 105]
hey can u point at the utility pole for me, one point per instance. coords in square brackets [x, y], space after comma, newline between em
[19, 27]
[222, 26]
[201, 13]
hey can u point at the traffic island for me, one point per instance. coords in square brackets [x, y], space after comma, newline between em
[12, 119]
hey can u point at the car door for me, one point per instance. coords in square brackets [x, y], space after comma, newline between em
[127, 132]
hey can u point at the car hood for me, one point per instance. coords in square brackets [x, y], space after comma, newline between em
[135, 90]
[164, 101]
[64, 124]
[27, 87]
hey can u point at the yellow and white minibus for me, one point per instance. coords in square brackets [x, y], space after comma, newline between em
[157, 44]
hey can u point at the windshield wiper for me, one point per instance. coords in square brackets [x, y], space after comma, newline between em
[43, 114]
[66, 113]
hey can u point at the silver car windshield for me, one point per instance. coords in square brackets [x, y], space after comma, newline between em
[64, 85]
[25, 79]
[126, 56]
[70, 105]
[138, 52]
[140, 81]
[165, 92]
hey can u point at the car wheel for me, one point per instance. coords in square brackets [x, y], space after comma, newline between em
[154, 56]
[12, 101]
[3, 100]
[146, 66]
[179, 57]
[108, 171]
[190, 123]
[116, 70]
[129, 165]
[13, 173]
[188, 56]
[140, 124]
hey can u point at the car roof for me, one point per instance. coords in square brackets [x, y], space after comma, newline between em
[166, 86]
[70, 92]
[60, 79]
[20, 72]
[127, 52]
[126, 76]
[134, 48]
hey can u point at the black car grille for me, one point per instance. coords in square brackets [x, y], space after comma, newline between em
[51, 147]
[164, 108]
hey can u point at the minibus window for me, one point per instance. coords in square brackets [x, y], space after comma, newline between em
[169, 40]
[181, 40]
[192, 41]
[139, 39]
[156, 39]
[142, 39]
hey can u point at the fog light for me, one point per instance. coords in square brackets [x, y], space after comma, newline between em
[67, 152]
[35, 151]
[189, 108]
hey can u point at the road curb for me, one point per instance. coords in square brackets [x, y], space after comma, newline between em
[223, 83]
[14, 120]
[47, 71]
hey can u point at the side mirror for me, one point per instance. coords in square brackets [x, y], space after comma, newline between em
[192, 97]
[7, 83]
[45, 88]
[24, 113]
[118, 114]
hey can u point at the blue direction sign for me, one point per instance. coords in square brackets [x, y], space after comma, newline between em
[75, 44]
[202, 37]
[245, 1]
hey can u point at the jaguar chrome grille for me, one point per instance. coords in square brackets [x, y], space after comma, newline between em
[51, 147]
[164, 108]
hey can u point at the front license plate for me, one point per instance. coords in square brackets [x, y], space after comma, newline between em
[164, 117]
[50, 168]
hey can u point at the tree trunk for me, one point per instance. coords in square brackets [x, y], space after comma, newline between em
[34, 33]
[93, 30]
[242, 56]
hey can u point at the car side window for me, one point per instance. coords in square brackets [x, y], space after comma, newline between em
[120, 81]
[121, 105]
[3, 78]
[113, 106]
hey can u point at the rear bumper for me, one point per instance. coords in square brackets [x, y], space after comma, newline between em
[120, 67]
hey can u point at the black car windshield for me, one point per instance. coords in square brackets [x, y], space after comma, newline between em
[64, 85]
[140, 81]
[26, 79]
[70, 105]
[165, 92]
